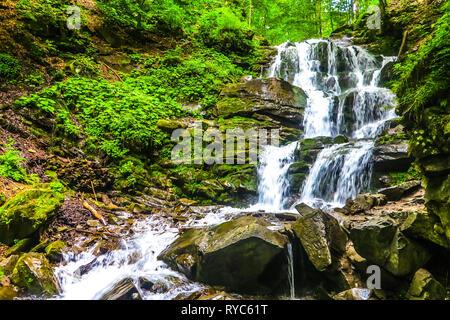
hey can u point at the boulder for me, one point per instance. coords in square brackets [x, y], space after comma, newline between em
[34, 272]
[123, 290]
[425, 287]
[399, 191]
[28, 212]
[273, 97]
[7, 265]
[243, 255]
[8, 293]
[319, 234]
[364, 202]
[21, 246]
[380, 241]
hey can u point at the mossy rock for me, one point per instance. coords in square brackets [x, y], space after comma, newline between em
[34, 273]
[425, 287]
[243, 255]
[21, 246]
[54, 250]
[28, 212]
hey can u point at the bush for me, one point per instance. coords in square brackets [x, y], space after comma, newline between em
[11, 164]
[223, 30]
[9, 67]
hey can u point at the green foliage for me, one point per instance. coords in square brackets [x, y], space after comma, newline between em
[9, 67]
[11, 164]
[400, 177]
[223, 30]
[422, 88]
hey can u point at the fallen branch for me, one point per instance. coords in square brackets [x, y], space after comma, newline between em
[94, 212]
[405, 34]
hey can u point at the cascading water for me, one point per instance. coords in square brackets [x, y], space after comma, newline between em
[272, 175]
[343, 99]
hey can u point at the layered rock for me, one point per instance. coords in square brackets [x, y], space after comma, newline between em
[273, 97]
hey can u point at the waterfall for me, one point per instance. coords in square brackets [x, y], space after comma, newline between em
[340, 81]
[272, 176]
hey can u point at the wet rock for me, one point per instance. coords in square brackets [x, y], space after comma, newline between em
[304, 209]
[243, 255]
[34, 272]
[399, 191]
[364, 202]
[210, 294]
[273, 97]
[145, 284]
[425, 287]
[123, 290]
[319, 234]
[380, 241]
[28, 212]
[170, 125]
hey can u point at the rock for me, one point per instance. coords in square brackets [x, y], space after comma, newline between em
[273, 97]
[364, 202]
[380, 242]
[21, 246]
[425, 287]
[8, 293]
[392, 157]
[27, 212]
[399, 191]
[34, 272]
[93, 223]
[170, 125]
[7, 265]
[242, 255]
[319, 234]
[424, 225]
[123, 290]
[54, 251]
[304, 209]
[354, 294]
[386, 74]
[145, 284]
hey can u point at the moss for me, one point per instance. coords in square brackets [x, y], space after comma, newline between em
[27, 212]
[2, 198]
[34, 273]
[229, 106]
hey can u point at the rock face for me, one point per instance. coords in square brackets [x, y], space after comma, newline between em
[273, 97]
[242, 255]
[425, 287]
[35, 273]
[397, 192]
[380, 241]
[320, 234]
[27, 212]
[392, 157]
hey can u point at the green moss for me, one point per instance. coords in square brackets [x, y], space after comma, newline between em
[27, 212]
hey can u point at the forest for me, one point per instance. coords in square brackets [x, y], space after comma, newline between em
[315, 136]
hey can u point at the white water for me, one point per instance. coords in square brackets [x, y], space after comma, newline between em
[272, 175]
[343, 99]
